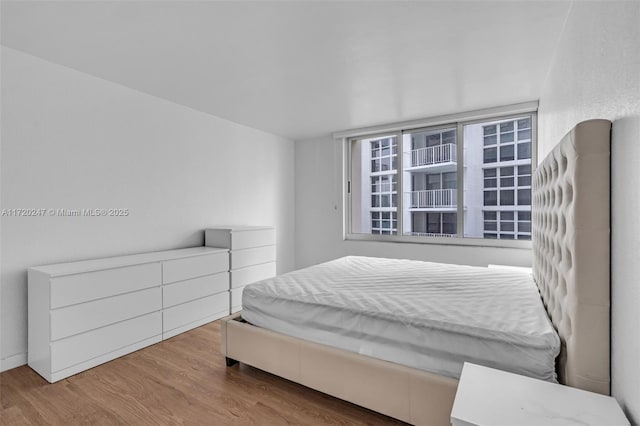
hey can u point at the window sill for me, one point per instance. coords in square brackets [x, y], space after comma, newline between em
[444, 241]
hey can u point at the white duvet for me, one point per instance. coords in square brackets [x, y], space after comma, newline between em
[424, 315]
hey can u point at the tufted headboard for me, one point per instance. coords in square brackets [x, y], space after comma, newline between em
[571, 251]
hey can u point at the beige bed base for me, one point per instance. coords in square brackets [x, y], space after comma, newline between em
[571, 269]
[407, 394]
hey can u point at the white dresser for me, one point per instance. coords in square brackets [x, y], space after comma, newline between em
[252, 251]
[82, 314]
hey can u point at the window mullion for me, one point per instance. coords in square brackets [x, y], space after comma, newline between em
[460, 180]
[399, 185]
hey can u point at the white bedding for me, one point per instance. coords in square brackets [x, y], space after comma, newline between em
[424, 315]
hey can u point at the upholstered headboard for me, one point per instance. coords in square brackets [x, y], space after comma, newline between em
[571, 251]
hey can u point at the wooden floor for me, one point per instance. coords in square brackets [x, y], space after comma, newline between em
[182, 380]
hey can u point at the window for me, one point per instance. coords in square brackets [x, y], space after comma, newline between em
[384, 223]
[464, 179]
[505, 225]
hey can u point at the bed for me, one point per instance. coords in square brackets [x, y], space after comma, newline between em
[570, 269]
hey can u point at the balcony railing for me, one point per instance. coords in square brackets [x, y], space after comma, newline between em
[433, 198]
[445, 153]
[429, 234]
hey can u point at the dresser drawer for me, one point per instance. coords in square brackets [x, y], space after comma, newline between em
[240, 238]
[71, 289]
[82, 347]
[189, 312]
[252, 256]
[195, 288]
[253, 238]
[98, 313]
[251, 274]
[192, 267]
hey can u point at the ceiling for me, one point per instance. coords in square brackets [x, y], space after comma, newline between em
[302, 69]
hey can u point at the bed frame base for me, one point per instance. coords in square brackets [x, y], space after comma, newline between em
[411, 395]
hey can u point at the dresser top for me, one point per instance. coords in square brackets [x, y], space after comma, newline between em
[121, 261]
[238, 228]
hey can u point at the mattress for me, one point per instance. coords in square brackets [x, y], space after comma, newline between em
[424, 315]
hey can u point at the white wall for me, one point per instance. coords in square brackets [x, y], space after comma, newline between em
[70, 140]
[596, 74]
[319, 219]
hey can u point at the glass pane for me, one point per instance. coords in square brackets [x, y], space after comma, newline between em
[491, 226]
[385, 164]
[449, 180]
[433, 223]
[506, 127]
[506, 198]
[506, 171]
[433, 140]
[524, 151]
[506, 226]
[429, 180]
[506, 215]
[490, 155]
[524, 197]
[491, 183]
[372, 174]
[489, 130]
[524, 215]
[491, 140]
[449, 223]
[504, 182]
[449, 228]
[506, 153]
[506, 137]
[490, 236]
[433, 181]
[524, 170]
[524, 134]
[525, 123]
[449, 137]
[524, 181]
[524, 237]
[506, 236]
[524, 226]
[490, 198]
[490, 215]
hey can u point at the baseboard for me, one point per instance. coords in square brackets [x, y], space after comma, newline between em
[13, 362]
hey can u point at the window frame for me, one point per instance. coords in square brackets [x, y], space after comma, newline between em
[457, 121]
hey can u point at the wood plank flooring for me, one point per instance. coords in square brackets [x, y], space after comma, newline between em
[182, 381]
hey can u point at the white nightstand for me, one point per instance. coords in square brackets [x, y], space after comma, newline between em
[491, 397]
